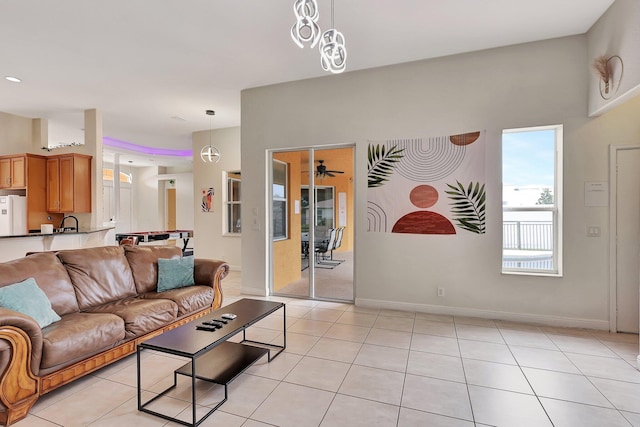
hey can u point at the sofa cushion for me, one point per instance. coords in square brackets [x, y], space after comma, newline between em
[175, 273]
[144, 264]
[140, 315]
[27, 298]
[79, 335]
[99, 275]
[49, 274]
[189, 299]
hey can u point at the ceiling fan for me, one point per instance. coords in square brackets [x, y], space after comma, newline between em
[323, 172]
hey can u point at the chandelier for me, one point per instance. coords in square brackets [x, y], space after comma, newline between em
[333, 52]
[306, 29]
[209, 153]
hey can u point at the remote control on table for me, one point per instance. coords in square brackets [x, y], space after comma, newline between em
[210, 323]
[229, 316]
[221, 321]
[206, 328]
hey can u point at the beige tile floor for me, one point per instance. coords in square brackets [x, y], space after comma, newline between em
[347, 367]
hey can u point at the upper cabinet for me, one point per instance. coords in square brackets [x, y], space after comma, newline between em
[13, 172]
[27, 173]
[5, 172]
[69, 183]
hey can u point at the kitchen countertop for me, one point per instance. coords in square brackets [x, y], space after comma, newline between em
[83, 230]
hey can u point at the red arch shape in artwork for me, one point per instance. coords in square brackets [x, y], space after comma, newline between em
[423, 222]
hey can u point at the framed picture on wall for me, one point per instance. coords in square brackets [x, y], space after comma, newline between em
[207, 199]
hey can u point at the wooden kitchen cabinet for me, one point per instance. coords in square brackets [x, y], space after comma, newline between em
[13, 172]
[26, 174]
[5, 172]
[69, 183]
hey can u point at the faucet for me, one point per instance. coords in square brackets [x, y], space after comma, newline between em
[63, 229]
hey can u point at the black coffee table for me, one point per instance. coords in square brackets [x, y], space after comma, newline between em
[218, 361]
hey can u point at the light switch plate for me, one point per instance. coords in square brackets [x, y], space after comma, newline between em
[593, 231]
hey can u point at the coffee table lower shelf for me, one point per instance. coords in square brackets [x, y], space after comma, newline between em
[224, 363]
[210, 356]
[220, 365]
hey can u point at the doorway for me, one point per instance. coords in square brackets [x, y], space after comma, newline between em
[312, 223]
[624, 238]
[117, 197]
[171, 209]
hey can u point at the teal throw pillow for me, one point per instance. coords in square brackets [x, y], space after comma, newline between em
[175, 273]
[27, 298]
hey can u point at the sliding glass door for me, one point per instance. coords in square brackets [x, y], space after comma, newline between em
[320, 228]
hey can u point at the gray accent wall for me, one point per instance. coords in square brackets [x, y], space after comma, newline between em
[534, 84]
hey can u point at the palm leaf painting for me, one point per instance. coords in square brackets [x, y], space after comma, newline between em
[381, 163]
[468, 206]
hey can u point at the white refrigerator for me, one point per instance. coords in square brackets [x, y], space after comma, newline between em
[13, 215]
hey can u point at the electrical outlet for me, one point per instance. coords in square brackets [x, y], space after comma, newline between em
[440, 292]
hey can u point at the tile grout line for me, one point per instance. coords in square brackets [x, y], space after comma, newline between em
[526, 378]
[464, 372]
[583, 374]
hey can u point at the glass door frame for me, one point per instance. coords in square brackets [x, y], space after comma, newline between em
[312, 232]
[269, 221]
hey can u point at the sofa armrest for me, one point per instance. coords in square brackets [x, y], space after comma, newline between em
[30, 327]
[209, 272]
[20, 354]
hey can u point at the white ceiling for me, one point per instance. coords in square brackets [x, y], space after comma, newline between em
[154, 67]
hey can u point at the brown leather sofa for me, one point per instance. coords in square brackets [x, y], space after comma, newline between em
[107, 300]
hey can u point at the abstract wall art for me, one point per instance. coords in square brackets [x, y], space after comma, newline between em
[432, 185]
[207, 199]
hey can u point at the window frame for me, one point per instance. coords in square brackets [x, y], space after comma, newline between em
[284, 199]
[229, 202]
[555, 209]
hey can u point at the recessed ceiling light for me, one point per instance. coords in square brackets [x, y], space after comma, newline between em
[13, 79]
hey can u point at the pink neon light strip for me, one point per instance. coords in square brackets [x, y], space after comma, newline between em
[110, 142]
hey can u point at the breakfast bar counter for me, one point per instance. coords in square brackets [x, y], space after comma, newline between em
[16, 246]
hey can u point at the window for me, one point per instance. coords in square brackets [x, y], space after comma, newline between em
[532, 200]
[107, 175]
[232, 201]
[324, 206]
[323, 203]
[280, 189]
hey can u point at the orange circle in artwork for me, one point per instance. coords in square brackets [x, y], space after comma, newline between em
[423, 196]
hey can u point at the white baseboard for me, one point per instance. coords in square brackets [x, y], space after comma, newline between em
[254, 291]
[541, 319]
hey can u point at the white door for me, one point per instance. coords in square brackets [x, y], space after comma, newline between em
[125, 223]
[628, 242]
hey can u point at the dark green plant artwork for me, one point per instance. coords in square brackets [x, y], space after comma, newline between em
[381, 163]
[468, 206]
